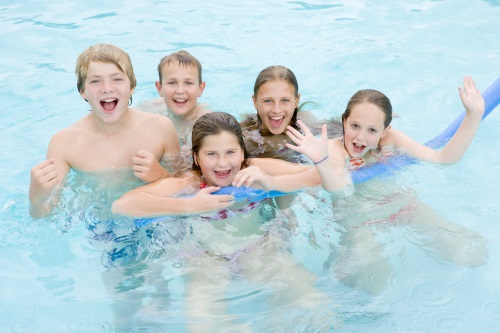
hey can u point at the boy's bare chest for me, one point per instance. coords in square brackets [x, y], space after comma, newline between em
[101, 153]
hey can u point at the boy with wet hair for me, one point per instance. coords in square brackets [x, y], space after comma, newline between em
[180, 84]
[112, 136]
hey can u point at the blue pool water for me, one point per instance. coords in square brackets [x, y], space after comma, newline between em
[434, 273]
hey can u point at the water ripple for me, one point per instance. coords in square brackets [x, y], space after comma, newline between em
[86, 323]
[492, 309]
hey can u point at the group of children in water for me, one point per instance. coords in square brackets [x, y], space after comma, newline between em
[222, 151]
[114, 135]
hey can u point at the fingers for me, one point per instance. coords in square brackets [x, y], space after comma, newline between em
[304, 127]
[143, 153]
[225, 198]
[294, 134]
[210, 189]
[244, 177]
[324, 132]
[44, 174]
[221, 197]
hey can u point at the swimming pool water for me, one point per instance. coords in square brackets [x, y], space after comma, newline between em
[415, 51]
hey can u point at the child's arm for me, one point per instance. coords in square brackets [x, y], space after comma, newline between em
[46, 176]
[256, 177]
[327, 159]
[145, 164]
[457, 146]
[155, 199]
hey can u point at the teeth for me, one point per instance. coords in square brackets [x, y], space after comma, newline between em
[109, 100]
[180, 100]
[276, 118]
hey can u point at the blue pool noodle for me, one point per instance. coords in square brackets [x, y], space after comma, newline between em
[387, 167]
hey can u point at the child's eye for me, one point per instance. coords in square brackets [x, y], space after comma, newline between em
[94, 81]
[171, 82]
[189, 83]
[267, 101]
[285, 100]
[118, 79]
[373, 130]
[354, 126]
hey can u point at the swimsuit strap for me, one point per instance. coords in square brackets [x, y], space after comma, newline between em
[356, 163]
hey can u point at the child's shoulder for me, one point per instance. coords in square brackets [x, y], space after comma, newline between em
[151, 118]
[155, 105]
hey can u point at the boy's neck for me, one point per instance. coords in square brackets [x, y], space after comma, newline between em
[111, 128]
[190, 116]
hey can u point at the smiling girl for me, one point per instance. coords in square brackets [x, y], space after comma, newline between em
[234, 241]
[276, 98]
[368, 137]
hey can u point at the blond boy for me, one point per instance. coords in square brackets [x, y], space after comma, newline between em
[111, 136]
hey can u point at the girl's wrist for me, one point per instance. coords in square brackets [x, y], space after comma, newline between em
[322, 160]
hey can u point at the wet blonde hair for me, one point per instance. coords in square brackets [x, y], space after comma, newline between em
[105, 53]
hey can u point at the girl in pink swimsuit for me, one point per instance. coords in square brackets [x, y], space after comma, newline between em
[236, 240]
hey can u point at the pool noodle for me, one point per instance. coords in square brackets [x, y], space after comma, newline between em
[491, 99]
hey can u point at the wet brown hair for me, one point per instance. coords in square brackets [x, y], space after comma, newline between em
[371, 96]
[184, 58]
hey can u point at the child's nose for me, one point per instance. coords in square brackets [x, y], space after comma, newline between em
[107, 86]
[222, 161]
[180, 88]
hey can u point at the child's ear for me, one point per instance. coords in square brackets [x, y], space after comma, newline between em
[195, 159]
[202, 88]
[255, 102]
[158, 88]
[386, 130]
[297, 100]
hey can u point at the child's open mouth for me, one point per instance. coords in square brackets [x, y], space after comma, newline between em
[358, 148]
[109, 104]
[180, 102]
[276, 121]
[222, 174]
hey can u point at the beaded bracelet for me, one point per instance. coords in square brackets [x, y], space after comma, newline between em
[324, 159]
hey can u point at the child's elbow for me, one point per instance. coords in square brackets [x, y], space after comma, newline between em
[119, 207]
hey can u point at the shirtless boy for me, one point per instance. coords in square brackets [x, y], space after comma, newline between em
[112, 136]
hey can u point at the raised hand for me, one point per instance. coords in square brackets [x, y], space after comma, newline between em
[471, 97]
[314, 148]
[43, 180]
